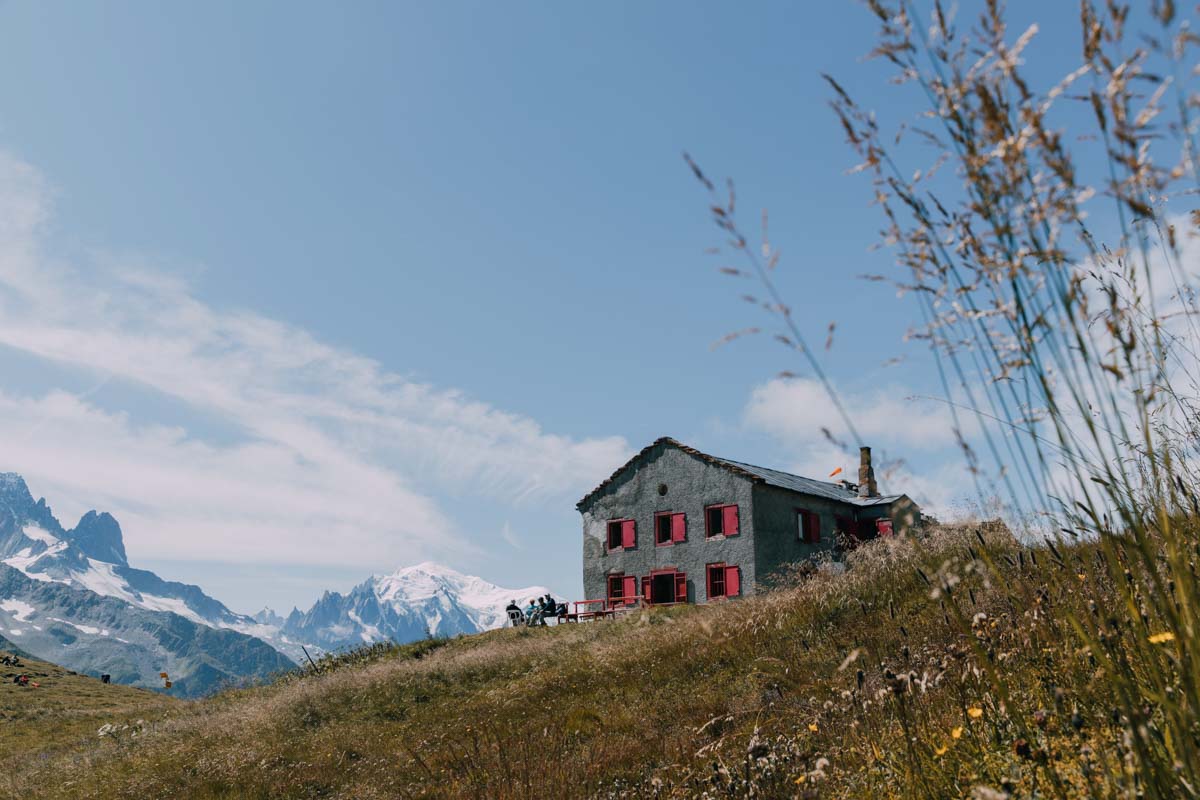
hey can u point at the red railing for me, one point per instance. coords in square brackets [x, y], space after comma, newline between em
[599, 609]
[609, 608]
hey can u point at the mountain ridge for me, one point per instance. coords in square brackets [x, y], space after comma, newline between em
[415, 602]
[423, 600]
[69, 596]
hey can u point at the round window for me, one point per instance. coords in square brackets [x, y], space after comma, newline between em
[662, 489]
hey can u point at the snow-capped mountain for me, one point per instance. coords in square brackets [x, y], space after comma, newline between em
[71, 597]
[424, 600]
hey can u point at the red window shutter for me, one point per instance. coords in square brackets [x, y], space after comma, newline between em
[646, 588]
[630, 593]
[680, 587]
[729, 520]
[678, 527]
[628, 533]
[733, 581]
[708, 576]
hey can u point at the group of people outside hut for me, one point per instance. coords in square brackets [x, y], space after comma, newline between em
[536, 612]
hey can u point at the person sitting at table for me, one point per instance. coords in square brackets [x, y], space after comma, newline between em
[515, 615]
[533, 613]
[554, 608]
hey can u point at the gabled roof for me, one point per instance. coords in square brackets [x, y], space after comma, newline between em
[762, 475]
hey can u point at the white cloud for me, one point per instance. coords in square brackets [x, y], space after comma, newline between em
[506, 533]
[800, 408]
[332, 448]
[901, 429]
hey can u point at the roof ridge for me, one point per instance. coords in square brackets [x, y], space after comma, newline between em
[802, 484]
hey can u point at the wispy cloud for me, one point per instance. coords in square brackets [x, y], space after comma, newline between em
[506, 533]
[335, 456]
[899, 427]
[800, 408]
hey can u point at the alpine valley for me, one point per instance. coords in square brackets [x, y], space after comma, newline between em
[71, 597]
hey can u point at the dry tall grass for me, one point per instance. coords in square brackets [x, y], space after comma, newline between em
[932, 665]
[1047, 237]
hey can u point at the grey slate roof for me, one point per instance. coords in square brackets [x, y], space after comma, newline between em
[798, 483]
[771, 477]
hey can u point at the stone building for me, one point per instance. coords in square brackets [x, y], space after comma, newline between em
[675, 525]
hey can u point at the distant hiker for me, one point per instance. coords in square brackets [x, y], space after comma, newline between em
[515, 615]
[105, 678]
[21, 680]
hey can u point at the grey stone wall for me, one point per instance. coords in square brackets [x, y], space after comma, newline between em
[691, 485]
[777, 540]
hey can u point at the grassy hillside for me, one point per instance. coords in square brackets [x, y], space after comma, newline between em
[63, 713]
[931, 667]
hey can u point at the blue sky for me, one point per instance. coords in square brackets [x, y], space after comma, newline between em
[304, 292]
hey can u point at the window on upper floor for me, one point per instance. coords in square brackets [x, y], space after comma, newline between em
[723, 581]
[721, 520]
[808, 526]
[669, 528]
[622, 534]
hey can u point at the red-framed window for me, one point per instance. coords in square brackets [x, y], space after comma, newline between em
[622, 588]
[723, 581]
[664, 586]
[883, 527]
[669, 528]
[721, 520]
[808, 526]
[622, 534]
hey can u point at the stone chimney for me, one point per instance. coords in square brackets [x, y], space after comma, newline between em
[866, 474]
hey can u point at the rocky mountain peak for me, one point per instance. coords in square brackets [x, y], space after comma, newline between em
[14, 492]
[268, 617]
[98, 535]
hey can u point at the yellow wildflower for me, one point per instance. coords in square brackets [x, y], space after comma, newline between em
[975, 712]
[1159, 638]
[956, 733]
[800, 779]
[941, 751]
[812, 726]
